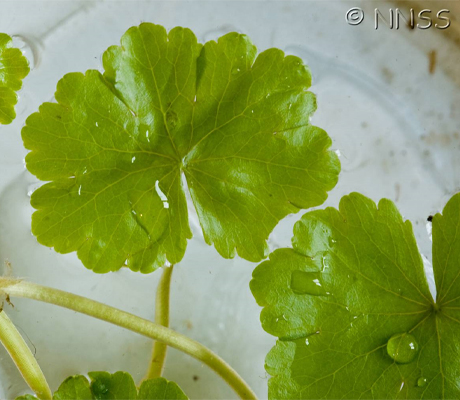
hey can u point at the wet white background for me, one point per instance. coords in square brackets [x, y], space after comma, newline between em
[396, 125]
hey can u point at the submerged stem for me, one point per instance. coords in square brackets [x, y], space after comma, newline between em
[133, 323]
[23, 358]
[162, 318]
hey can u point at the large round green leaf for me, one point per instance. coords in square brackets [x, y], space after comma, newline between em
[351, 306]
[120, 147]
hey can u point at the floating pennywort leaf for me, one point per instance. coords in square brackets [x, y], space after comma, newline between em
[119, 149]
[374, 331]
[120, 385]
[14, 67]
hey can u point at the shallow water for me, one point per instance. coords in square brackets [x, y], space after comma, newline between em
[395, 125]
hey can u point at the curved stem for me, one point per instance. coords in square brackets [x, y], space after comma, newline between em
[133, 323]
[162, 318]
[23, 358]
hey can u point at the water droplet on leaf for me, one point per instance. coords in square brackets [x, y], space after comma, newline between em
[31, 188]
[171, 119]
[402, 348]
[307, 283]
[99, 388]
[144, 131]
[421, 381]
[28, 49]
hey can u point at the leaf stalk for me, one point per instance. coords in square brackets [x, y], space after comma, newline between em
[161, 318]
[23, 358]
[133, 323]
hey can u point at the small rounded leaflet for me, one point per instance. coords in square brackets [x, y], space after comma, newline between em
[14, 67]
[120, 385]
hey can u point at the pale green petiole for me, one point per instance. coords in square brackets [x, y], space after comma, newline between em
[162, 318]
[23, 358]
[129, 321]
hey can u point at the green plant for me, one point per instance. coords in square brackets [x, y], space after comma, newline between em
[119, 150]
[116, 146]
[119, 385]
[13, 69]
[351, 307]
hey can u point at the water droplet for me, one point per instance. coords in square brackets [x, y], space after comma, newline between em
[32, 188]
[421, 381]
[28, 49]
[171, 119]
[99, 388]
[236, 70]
[350, 153]
[307, 283]
[144, 131]
[332, 242]
[402, 348]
